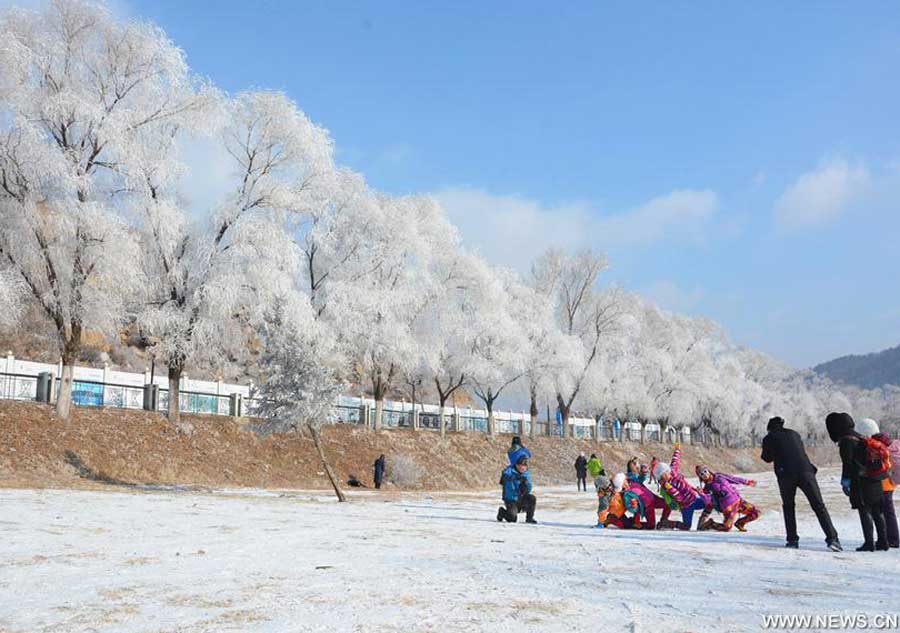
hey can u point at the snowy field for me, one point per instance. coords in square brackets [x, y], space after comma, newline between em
[79, 561]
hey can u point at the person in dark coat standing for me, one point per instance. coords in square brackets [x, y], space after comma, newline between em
[864, 492]
[581, 472]
[793, 469]
[379, 471]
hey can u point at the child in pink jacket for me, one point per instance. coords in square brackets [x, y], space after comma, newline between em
[673, 483]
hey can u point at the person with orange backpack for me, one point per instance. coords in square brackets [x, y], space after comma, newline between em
[888, 485]
[864, 465]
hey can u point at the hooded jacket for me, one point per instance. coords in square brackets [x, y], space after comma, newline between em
[863, 490]
[785, 448]
[515, 484]
[515, 452]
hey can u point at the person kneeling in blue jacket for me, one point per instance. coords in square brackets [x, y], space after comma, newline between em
[517, 497]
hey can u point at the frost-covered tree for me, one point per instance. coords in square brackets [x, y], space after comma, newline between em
[12, 297]
[583, 312]
[208, 274]
[498, 351]
[79, 94]
[376, 314]
[334, 232]
[300, 378]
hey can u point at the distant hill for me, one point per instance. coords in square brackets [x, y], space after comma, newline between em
[868, 371]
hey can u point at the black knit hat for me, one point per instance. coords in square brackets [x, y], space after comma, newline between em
[775, 423]
[522, 460]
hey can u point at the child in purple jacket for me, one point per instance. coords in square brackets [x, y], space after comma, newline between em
[721, 488]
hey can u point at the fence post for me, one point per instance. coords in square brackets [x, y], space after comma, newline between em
[10, 369]
[42, 391]
[234, 405]
[151, 397]
[103, 387]
[363, 413]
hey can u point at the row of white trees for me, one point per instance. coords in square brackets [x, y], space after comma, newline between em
[339, 283]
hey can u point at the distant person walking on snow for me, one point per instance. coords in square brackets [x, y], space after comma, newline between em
[516, 450]
[581, 472]
[793, 469]
[379, 472]
[517, 497]
[653, 463]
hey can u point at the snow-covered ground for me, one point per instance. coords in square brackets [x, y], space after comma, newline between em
[78, 561]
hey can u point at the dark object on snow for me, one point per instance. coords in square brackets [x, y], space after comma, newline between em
[793, 469]
[379, 471]
[353, 482]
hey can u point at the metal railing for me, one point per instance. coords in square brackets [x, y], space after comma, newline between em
[18, 386]
[348, 410]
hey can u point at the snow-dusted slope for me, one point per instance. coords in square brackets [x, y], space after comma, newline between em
[76, 561]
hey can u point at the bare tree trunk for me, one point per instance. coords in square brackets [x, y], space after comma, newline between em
[64, 397]
[174, 411]
[318, 442]
[534, 413]
[442, 415]
[70, 348]
[379, 413]
[491, 425]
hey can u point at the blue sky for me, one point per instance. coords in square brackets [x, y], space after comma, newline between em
[739, 161]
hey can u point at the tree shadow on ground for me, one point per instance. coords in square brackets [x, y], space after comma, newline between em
[86, 472]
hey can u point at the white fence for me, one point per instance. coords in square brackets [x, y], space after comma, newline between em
[105, 387]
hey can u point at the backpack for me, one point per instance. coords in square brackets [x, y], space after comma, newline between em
[878, 459]
[894, 449]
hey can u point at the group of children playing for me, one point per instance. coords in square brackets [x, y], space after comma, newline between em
[871, 472]
[625, 501]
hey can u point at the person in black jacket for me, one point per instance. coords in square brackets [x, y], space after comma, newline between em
[864, 492]
[379, 471]
[581, 472]
[793, 469]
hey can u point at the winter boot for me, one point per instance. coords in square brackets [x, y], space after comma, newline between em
[706, 524]
[531, 521]
[835, 546]
[882, 546]
[866, 547]
[665, 524]
[501, 512]
[792, 545]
